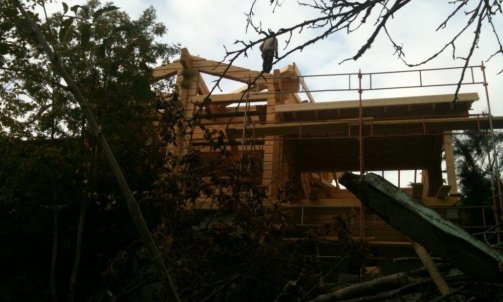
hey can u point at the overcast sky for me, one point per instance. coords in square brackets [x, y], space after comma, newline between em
[205, 26]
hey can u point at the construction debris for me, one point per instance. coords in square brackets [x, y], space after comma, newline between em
[425, 226]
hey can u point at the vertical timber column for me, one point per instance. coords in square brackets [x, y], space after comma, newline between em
[449, 162]
[189, 91]
[426, 184]
[176, 149]
[434, 168]
[271, 175]
[187, 81]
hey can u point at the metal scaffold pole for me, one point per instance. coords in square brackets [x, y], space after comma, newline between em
[360, 118]
[360, 139]
[498, 206]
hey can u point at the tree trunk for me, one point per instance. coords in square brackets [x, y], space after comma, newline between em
[54, 257]
[78, 251]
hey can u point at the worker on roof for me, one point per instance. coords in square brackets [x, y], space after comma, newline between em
[269, 49]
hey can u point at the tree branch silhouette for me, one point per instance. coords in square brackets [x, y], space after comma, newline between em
[341, 16]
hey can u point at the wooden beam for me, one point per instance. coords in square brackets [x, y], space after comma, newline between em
[324, 202]
[186, 58]
[431, 268]
[434, 169]
[241, 89]
[450, 163]
[166, 71]
[400, 101]
[201, 86]
[317, 180]
[386, 127]
[306, 89]
[229, 98]
[220, 69]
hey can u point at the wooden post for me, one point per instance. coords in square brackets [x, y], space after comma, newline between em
[271, 175]
[449, 162]
[435, 275]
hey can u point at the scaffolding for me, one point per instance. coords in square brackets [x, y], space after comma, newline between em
[254, 117]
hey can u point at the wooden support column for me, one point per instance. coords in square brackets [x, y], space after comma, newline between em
[271, 175]
[190, 92]
[278, 81]
[450, 163]
[187, 82]
[426, 184]
[435, 166]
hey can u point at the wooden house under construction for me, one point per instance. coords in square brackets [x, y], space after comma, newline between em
[305, 145]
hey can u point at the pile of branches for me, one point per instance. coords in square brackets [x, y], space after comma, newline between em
[414, 285]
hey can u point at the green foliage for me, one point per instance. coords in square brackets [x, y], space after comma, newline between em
[476, 175]
[49, 160]
[108, 54]
[475, 166]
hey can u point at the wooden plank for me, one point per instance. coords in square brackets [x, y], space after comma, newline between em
[326, 203]
[202, 87]
[388, 243]
[434, 168]
[166, 71]
[431, 268]
[450, 163]
[221, 69]
[400, 101]
[241, 89]
[388, 127]
[230, 98]
[318, 181]
[292, 128]
[435, 202]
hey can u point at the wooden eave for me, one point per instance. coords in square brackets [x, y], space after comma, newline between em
[432, 105]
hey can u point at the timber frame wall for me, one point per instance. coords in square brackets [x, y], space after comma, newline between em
[307, 145]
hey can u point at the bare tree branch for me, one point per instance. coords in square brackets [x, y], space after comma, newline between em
[349, 16]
